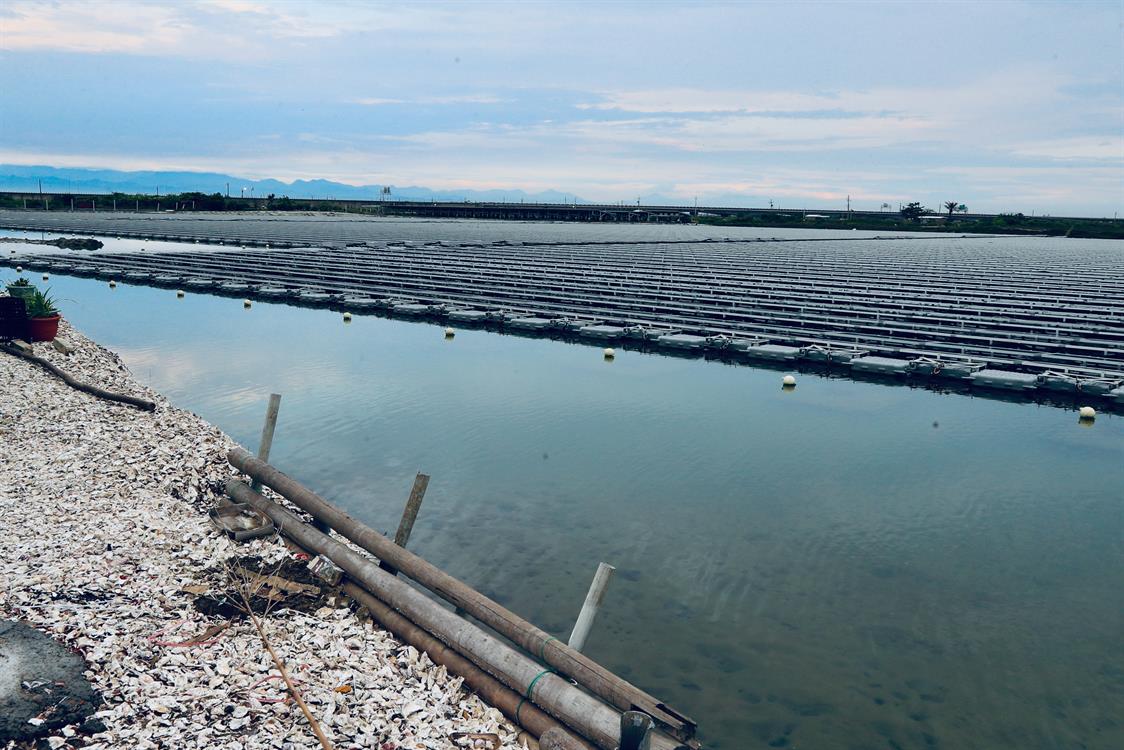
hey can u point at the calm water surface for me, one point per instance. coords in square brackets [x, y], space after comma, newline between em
[847, 565]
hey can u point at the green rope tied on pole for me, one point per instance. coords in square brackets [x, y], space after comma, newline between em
[538, 677]
[542, 647]
[518, 709]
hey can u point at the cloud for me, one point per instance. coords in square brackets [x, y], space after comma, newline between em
[1091, 147]
[438, 100]
[650, 98]
[238, 30]
[91, 27]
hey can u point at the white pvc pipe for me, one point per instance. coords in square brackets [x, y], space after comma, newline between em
[591, 607]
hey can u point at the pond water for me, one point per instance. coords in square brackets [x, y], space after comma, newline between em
[844, 565]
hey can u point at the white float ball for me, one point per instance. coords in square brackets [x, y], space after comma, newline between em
[46, 276]
[609, 353]
[246, 303]
[1087, 412]
[113, 285]
[179, 293]
[789, 380]
[19, 269]
[449, 333]
[347, 317]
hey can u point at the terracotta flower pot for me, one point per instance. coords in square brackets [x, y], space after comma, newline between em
[44, 329]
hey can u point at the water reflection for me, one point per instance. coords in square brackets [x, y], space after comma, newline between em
[844, 565]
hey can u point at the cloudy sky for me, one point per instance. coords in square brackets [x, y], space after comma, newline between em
[1005, 106]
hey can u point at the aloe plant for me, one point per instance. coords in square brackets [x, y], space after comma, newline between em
[42, 305]
[21, 281]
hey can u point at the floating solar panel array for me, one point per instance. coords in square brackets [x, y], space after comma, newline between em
[1037, 318]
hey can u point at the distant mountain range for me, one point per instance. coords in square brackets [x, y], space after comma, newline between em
[74, 180]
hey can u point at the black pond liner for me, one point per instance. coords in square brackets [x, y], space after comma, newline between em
[42, 686]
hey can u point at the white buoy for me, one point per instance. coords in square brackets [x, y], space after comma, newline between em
[246, 303]
[1087, 412]
[112, 284]
[179, 293]
[347, 317]
[789, 380]
[46, 276]
[449, 333]
[19, 269]
[610, 354]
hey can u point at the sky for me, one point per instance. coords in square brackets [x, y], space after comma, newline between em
[1002, 106]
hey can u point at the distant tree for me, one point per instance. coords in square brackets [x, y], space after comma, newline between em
[951, 206]
[913, 211]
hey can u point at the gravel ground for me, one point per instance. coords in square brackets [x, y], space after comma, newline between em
[103, 525]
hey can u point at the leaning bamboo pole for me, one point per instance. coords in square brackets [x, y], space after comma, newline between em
[527, 715]
[523, 713]
[580, 711]
[559, 656]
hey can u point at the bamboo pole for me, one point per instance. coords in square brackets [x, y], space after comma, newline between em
[494, 693]
[585, 714]
[530, 717]
[555, 739]
[409, 515]
[266, 444]
[553, 652]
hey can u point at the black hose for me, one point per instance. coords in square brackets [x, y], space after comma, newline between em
[93, 390]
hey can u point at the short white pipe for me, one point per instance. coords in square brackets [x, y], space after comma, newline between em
[591, 606]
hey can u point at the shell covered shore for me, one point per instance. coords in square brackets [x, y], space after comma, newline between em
[105, 545]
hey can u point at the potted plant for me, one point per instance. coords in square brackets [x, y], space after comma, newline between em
[44, 317]
[21, 288]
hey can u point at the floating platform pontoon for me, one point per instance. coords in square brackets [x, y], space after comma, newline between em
[775, 351]
[360, 303]
[682, 341]
[880, 365]
[1006, 380]
[531, 324]
[602, 332]
[467, 316]
[929, 308]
